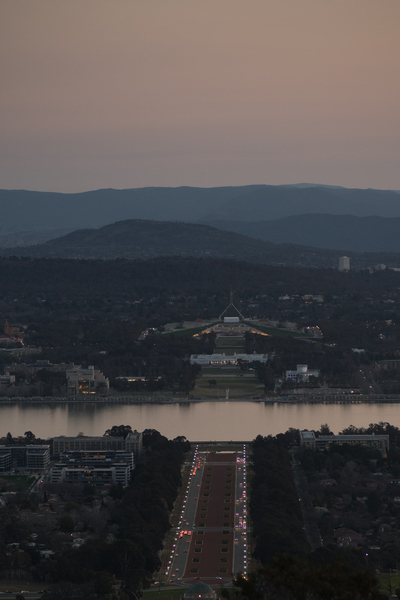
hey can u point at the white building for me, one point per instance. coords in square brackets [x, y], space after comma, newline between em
[85, 381]
[344, 263]
[220, 360]
[302, 373]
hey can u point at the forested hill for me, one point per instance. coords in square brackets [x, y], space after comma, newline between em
[140, 239]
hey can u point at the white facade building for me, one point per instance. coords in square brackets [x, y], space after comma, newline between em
[85, 381]
[220, 360]
[344, 263]
[302, 373]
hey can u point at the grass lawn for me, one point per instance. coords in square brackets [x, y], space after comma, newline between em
[193, 331]
[239, 387]
[228, 342]
[16, 482]
[388, 583]
[17, 585]
[209, 370]
[275, 332]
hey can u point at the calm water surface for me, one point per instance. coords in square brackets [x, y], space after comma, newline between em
[199, 421]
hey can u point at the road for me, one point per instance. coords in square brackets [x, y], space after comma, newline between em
[180, 547]
[210, 541]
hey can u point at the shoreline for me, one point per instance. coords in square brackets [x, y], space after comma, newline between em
[289, 399]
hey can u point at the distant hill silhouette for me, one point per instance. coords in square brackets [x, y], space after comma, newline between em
[335, 232]
[140, 239]
[28, 210]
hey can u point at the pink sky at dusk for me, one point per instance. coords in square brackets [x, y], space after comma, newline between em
[132, 93]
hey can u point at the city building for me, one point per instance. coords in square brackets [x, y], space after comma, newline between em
[86, 381]
[344, 263]
[132, 443]
[7, 379]
[219, 360]
[29, 457]
[5, 461]
[96, 468]
[309, 440]
[302, 373]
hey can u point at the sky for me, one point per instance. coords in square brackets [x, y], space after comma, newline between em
[134, 93]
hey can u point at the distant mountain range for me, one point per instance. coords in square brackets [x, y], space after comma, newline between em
[42, 210]
[316, 216]
[141, 239]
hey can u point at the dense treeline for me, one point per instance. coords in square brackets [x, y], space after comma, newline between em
[338, 367]
[96, 285]
[92, 312]
[290, 577]
[289, 570]
[274, 505]
[139, 524]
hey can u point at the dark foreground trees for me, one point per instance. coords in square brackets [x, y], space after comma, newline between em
[140, 521]
[293, 578]
[274, 505]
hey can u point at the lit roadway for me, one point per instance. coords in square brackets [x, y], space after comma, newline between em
[184, 530]
[180, 545]
[240, 546]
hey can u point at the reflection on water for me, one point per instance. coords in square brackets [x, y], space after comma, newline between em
[239, 421]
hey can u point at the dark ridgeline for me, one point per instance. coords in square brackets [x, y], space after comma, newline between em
[140, 239]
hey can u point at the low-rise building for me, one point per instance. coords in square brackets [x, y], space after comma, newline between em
[132, 443]
[7, 379]
[86, 381]
[219, 360]
[308, 439]
[302, 373]
[29, 457]
[94, 468]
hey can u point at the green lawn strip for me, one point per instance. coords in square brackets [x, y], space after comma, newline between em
[238, 387]
[21, 482]
[389, 582]
[192, 331]
[219, 371]
[230, 342]
[17, 585]
[274, 331]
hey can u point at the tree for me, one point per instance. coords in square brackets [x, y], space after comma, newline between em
[325, 429]
[118, 431]
[29, 436]
[373, 503]
[67, 524]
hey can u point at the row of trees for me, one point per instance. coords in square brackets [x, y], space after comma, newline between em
[274, 504]
[289, 570]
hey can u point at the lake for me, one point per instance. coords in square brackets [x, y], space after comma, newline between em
[224, 421]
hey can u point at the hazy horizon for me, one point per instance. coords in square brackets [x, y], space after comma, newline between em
[98, 94]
